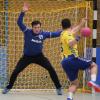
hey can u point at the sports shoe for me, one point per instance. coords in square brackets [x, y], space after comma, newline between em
[93, 84]
[69, 99]
[97, 88]
[5, 91]
[59, 91]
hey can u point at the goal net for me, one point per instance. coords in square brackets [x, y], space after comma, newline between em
[50, 13]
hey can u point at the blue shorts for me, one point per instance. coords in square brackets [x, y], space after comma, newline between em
[72, 65]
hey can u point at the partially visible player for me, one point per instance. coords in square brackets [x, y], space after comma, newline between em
[71, 62]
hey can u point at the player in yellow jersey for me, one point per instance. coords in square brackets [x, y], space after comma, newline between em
[71, 62]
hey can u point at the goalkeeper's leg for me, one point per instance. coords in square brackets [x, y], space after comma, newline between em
[44, 62]
[21, 65]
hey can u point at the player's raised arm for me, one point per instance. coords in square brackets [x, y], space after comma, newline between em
[77, 28]
[20, 18]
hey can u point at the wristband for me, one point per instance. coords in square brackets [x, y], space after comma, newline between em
[77, 38]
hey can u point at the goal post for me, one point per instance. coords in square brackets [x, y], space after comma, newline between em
[50, 13]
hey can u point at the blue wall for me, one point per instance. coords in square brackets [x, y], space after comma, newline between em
[98, 62]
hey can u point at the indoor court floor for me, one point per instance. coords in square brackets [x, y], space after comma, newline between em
[45, 96]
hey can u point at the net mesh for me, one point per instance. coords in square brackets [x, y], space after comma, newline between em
[50, 13]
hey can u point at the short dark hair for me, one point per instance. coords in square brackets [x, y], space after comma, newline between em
[36, 22]
[66, 23]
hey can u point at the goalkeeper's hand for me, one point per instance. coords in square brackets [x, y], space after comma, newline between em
[25, 7]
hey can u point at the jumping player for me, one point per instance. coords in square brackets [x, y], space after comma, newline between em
[71, 62]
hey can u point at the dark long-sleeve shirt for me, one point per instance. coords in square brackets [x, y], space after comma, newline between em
[33, 43]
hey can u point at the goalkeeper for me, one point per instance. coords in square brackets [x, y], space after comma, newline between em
[33, 44]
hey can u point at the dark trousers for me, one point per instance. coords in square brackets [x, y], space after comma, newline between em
[40, 60]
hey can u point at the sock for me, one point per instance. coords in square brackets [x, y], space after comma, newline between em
[70, 95]
[93, 77]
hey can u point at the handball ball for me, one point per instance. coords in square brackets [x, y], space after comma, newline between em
[86, 32]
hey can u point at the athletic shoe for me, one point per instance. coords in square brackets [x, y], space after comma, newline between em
[59, 91]
[69, 99]
[97, 89]
[5, 91]
[93, 84]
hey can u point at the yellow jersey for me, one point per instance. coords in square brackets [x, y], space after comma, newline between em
[66, 50]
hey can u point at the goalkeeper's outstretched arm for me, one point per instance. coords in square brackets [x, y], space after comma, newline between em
[20, 19]
[52, 34]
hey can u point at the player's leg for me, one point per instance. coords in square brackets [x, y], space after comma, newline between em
[87, 64]
[72, 89]
[44, 62]
[70, 67]
[21, 65]
[92, 83]
[93, 69]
